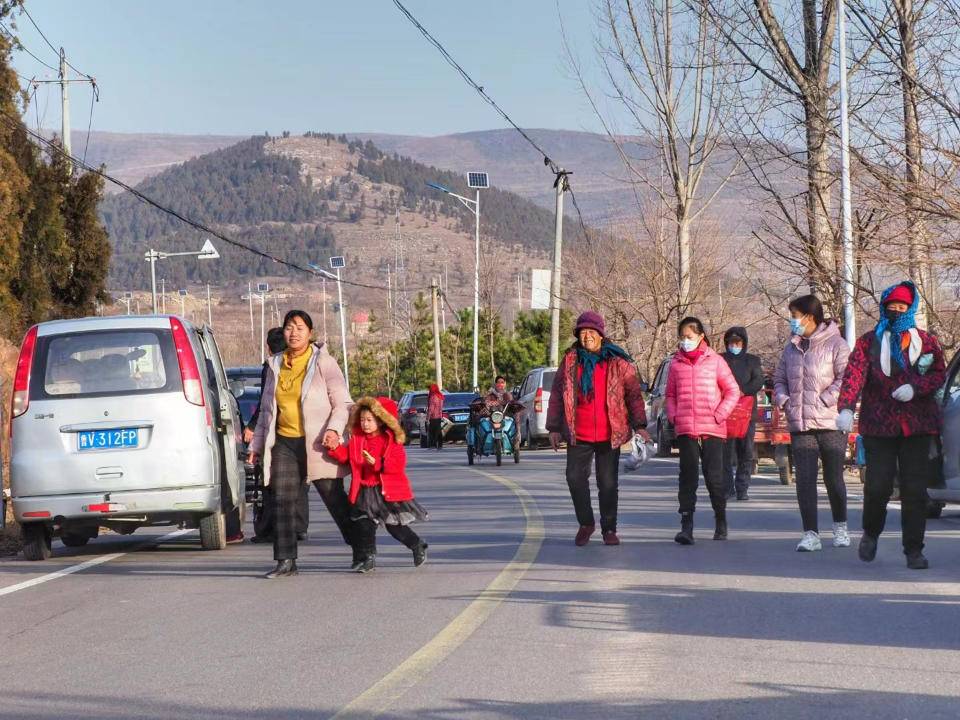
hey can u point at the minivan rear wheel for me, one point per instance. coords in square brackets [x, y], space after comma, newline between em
[37, 541]
[213, 531]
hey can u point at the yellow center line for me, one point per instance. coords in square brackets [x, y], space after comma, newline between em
[383, 694]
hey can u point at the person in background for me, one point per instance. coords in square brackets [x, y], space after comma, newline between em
[435, 417]
[304, 410]
[806, 385]
[263, 527]
[738, 452]
[596, 405]
[897, 369]
[701, 394]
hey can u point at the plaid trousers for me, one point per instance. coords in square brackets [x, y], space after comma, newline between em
[288, 474]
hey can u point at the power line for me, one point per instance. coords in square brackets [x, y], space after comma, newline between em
[554, 168]
[20, 46]
[23, 9]
[15, 122]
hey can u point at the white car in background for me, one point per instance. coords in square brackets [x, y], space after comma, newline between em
[534, 394]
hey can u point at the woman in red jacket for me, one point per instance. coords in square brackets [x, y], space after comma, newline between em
[701, 394]
[897, 368]
[379, 488]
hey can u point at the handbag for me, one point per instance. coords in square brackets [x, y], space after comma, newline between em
[738, 422]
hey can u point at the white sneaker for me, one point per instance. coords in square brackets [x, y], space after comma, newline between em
[810, 542]
[841, 538]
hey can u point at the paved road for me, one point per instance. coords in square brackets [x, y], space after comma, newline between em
[507, 620]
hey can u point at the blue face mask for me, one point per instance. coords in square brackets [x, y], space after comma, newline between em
[734, 349]
[796, 326]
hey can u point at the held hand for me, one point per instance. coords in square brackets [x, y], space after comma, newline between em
[845, 421]
[331, 439]
[904, 393]
[247, 435]
[555, 441]
[253, 458]
[368, 457]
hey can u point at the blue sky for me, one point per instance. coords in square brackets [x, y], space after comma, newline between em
[249, 66]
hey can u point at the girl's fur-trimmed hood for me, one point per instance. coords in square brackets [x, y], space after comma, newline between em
[385, 410]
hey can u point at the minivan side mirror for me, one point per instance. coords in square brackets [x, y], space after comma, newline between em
[237, 387]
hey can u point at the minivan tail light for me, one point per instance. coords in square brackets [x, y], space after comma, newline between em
[189, 372]
[21, 380]
[538, 401]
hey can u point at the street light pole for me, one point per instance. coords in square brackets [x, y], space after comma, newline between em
[849, 310]
[207, 252]
[476, 297]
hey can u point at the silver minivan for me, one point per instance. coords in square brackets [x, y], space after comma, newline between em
[535, 395]
[123, 422]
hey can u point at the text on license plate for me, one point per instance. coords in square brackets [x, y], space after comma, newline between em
[106, 439]
[460, 418]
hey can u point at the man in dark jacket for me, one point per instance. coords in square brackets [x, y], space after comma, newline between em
[748, 372]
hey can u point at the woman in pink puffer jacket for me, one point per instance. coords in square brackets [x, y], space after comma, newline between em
[806, 386]
[701, 394]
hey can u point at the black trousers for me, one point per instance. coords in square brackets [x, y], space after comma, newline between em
[580, 457]
[886, 457]
[697, 453]
[435, 435]
[738, 461]
[338, 505]
[288, 476]
[265, 522]
[366, 536]
[830, 448]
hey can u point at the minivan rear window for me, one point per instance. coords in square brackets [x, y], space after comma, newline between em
[112, 362]
[546, 381]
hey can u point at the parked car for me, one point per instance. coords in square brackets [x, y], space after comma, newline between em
[658, 426]
[123, 422]
[249, 375]
[947, 487]
[247, 403]
[456, 408]
[412, 409]
[534, 395]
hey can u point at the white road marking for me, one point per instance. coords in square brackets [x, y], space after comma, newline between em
[87, 564]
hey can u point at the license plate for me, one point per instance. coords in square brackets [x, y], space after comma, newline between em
[108, 439]
[460, 418]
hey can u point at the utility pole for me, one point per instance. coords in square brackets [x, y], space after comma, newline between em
[435, 297]
[849, 312]
[163, 295]
[324, 280]
[250, 303]
[443, 304]
[209, 308]
[555, 281]
[65, 112]
[343, 332]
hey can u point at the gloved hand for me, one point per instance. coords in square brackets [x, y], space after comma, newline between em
[845, 421]
[904, 393]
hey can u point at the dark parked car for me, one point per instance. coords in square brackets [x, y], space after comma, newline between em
[249, 375]
[456, 408]
[413, 411]
[248, 403]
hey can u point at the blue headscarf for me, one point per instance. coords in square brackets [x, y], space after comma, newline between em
[903, 324]
[589, 361]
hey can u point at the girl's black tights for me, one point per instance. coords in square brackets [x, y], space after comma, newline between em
[367, 536]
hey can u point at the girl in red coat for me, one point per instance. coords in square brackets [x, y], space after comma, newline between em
[379, 488]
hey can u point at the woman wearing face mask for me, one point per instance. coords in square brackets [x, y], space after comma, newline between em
[596, 405]
[701, 394]
[806, 385]
[897, 368]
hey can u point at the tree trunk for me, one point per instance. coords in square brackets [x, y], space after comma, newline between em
[917, 256]
[821, 251]
[683, 263]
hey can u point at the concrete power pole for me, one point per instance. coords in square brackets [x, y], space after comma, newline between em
[435, 297]
[555, 280]
[65, 113]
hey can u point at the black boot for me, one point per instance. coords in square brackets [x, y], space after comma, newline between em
[720, 532]
[365, 564]
[868, 548]
[284, 568]
[420, 554]
[685, 536]
[917, 561]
